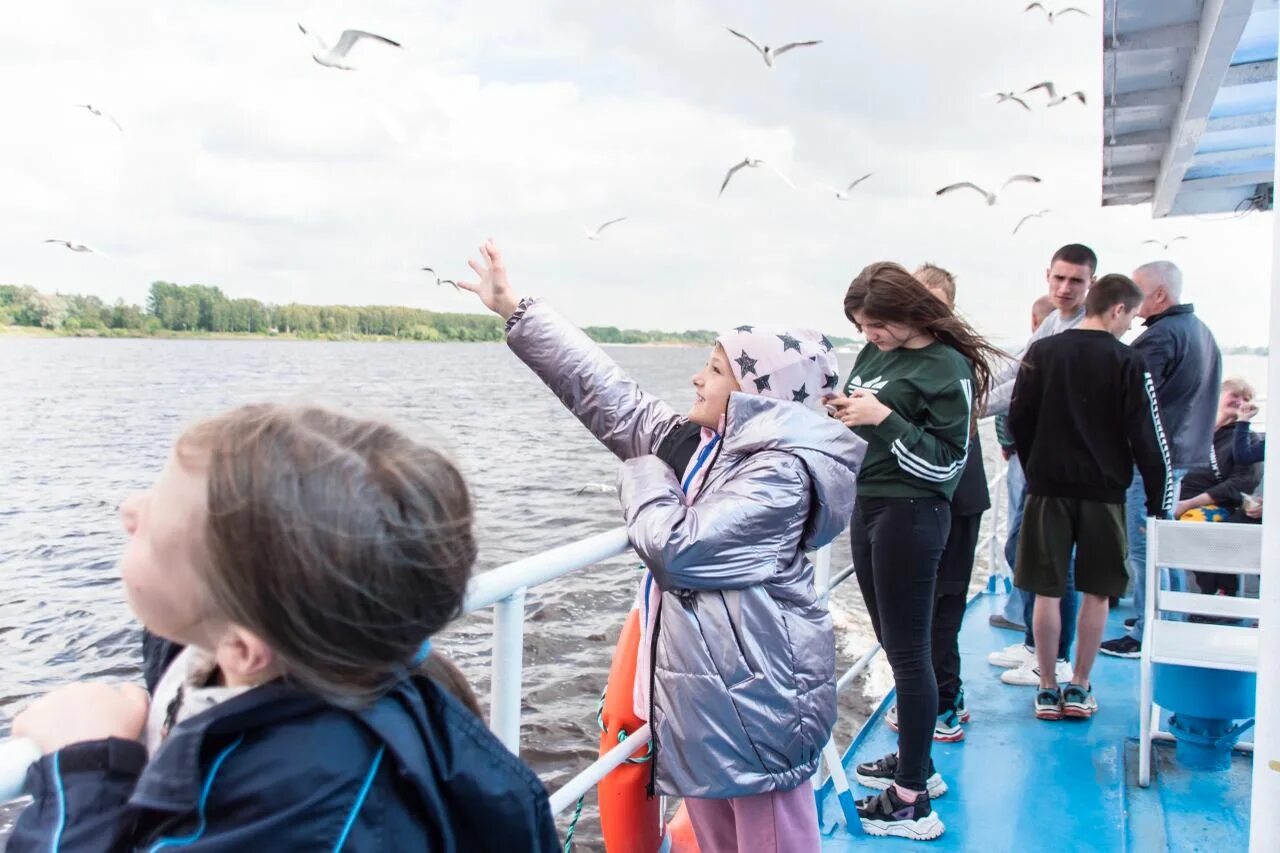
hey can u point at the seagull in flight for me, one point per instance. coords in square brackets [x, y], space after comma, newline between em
[751, 163]
[1051, 15]
[440, 281]
[770, 53]
[1163, 245]
[1029, 216]
[1001, 97]
[991, 197]
[335, 57]
[844, 194]
[602, 488]
[75, 247]
[100, 114]
[595, 235]
[1055, 98]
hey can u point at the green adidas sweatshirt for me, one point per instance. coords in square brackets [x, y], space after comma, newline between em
[919, 450]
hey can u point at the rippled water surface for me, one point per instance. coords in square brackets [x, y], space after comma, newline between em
[83, 422]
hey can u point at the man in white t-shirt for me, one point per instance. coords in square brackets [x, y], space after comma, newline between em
[1070, 274]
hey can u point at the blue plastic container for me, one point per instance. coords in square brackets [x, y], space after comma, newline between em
[1206, 705]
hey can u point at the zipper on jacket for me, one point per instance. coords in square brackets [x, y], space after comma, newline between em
[652, 788]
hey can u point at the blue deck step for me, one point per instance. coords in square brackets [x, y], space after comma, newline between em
[1018, 783]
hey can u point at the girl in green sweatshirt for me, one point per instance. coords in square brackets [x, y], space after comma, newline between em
[912, 396]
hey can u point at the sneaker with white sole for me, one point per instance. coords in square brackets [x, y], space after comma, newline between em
[962, 713]
[1122, 647]
[1012, 657]
[1078, 702]
[1048, 703]
[887, 814]
[1028, 675]
[946, 729]
[880, 773]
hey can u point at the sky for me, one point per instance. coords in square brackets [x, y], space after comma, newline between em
[245, 165]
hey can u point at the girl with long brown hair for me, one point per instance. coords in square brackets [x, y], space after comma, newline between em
[912, 395]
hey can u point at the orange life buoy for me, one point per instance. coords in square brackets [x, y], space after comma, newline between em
[630, 819]
[628, 816]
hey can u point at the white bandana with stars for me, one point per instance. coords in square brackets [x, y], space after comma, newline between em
[797, 365]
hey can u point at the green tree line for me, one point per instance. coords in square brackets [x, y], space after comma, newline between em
[196, 309]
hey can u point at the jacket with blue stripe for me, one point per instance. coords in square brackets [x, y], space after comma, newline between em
[279, 769]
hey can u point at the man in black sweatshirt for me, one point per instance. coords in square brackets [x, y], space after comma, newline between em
[1084, 412]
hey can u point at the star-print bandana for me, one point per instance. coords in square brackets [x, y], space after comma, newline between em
[797, 365]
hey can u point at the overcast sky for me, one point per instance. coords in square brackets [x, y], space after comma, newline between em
[245, 165]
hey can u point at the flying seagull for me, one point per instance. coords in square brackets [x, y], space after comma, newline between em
[75, 247]
[751, 163]
[595, 235]
[440, 281]
[602, 488]
[1052, 15]
[843, 194]
[770, 53]
[333, 58]
[1023, 220]
[100, 114]
[1001, 97]
[990, 196]
[1055, 98]
[1164, 245]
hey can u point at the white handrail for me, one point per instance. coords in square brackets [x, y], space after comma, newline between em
[492, 586]
[600, 768]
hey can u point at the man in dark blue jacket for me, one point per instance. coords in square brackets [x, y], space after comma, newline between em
[280, 769]
[1186, 366]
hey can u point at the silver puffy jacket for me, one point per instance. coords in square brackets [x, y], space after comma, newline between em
[744, 694]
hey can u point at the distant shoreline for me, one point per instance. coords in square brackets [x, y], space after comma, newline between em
[165, 334]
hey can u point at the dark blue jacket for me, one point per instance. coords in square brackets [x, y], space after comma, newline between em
[1186, 367]
[279, 769]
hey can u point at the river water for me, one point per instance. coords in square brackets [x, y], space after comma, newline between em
[83, 422]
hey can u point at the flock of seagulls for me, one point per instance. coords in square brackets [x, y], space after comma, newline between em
[337, 57]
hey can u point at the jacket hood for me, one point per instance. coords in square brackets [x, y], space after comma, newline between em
[830, 451]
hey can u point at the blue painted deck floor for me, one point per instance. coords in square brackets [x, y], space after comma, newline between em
[1018, 783]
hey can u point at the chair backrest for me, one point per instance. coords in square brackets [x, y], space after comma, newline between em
[1232, 549]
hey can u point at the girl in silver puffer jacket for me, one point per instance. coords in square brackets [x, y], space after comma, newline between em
[741, 671]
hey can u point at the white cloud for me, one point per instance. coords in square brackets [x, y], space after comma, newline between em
[246, 165]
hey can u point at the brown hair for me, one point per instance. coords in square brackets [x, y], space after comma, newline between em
[340, 541]
[445, 673]
[887, 292]
[1042, 308]
[1108, 292]
[1239, 386]
[935, 277]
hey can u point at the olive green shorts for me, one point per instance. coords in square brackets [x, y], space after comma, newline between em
[1052, 528]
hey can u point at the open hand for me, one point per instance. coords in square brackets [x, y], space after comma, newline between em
[83, 712]
[861, 408]
[493, 288]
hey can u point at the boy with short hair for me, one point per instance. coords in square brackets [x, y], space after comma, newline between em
[1083, 414]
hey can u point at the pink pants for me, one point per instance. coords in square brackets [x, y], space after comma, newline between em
[776, 822]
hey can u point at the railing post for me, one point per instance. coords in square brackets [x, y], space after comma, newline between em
[507, 679]
[822, 572]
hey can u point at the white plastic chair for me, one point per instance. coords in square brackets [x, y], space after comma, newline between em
[1222, 548]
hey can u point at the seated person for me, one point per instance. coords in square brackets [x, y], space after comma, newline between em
[1217, 493]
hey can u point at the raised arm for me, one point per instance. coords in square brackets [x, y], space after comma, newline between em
[609, 403]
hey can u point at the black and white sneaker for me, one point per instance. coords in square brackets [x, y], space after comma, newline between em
[879, 774]
[1123, 647]
[886, 814]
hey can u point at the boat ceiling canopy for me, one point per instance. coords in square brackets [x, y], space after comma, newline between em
[1189, 104]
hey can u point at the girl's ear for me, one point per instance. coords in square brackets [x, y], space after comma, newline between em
[244, 658]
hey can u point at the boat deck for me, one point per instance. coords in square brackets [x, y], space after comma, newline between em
[1018, 783]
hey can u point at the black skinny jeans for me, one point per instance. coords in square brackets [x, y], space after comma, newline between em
[897, 543]
[955, 570]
